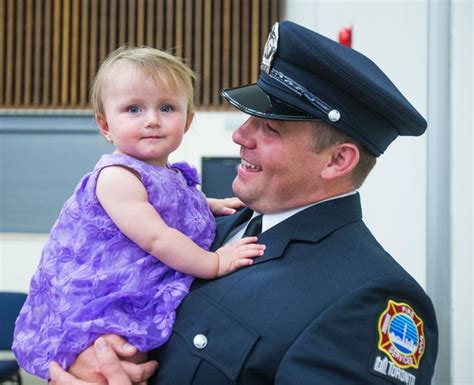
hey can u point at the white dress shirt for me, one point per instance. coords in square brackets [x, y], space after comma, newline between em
[272, 219]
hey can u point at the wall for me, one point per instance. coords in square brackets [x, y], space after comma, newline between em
[389, 33]
[462, 193]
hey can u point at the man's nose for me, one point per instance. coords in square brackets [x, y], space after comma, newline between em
[245, 134]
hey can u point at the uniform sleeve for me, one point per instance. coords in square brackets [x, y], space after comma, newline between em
[384, 332]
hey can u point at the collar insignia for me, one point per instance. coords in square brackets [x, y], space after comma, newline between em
[270, 48]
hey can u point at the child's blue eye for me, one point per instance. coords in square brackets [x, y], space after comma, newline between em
[134, 109]
[166, 108]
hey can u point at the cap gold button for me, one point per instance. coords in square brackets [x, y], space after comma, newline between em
[334, 115]
[200, 341]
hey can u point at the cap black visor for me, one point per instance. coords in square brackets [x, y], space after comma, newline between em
[253, 100]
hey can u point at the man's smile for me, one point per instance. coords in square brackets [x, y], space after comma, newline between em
[247, 166]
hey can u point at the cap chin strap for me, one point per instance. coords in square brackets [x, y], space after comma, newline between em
[333, 114]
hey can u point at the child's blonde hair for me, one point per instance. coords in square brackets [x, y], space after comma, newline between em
[159, 65]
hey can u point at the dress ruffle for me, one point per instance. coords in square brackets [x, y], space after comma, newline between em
[190, 173]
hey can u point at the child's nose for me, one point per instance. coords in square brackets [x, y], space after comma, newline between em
[152, 119]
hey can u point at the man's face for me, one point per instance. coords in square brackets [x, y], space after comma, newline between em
[279, 169]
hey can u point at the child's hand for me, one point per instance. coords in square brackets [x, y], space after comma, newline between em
[233, 256]
[225, 206]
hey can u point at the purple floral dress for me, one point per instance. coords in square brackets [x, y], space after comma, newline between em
[93, 280]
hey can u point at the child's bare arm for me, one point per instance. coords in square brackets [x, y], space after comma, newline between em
[124, 198]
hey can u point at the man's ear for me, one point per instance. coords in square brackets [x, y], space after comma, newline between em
[343, 158]
[189, 120]
[103, 126]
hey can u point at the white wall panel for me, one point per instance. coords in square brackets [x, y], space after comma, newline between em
[394, 35]
[462, 193]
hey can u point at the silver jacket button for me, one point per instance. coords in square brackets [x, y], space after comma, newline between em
[200, 341]
[334, 115]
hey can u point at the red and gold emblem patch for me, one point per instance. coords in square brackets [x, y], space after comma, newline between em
[401, 334]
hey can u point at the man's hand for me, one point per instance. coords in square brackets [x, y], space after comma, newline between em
[225, 206]
[100, 364]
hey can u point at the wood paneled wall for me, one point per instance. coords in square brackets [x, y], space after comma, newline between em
[50, 49]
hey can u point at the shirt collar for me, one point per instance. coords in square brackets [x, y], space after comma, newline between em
[272, 219]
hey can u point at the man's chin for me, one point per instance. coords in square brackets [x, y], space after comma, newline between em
[242, 191]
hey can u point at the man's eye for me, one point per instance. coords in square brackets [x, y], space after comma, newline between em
[134, 109]
[166, 108]
[270, 128]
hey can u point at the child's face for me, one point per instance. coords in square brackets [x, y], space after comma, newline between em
[142, 118]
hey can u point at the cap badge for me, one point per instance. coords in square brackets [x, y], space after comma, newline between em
[401, 335]
[270, 48]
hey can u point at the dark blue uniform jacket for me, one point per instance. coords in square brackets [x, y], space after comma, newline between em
[325, 305]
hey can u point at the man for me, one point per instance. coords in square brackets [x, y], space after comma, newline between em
[325, 304]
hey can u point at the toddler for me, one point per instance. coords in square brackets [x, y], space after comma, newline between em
[123, 251]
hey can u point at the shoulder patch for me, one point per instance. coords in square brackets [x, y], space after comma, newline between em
[401, 337]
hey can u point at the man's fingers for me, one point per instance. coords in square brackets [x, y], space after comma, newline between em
[139, 373]
[58, 376]
[121, 372]
[109, 364]
[120, 345]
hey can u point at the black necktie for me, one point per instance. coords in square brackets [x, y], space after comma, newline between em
[254, 227]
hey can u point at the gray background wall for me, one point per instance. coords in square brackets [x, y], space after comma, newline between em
[43, 158]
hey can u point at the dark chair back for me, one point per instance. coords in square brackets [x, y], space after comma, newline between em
[10, 306]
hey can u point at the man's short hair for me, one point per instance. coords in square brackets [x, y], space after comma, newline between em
[325, 136]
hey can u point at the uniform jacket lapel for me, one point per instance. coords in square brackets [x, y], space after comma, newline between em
[226, 224]
[309, 225]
